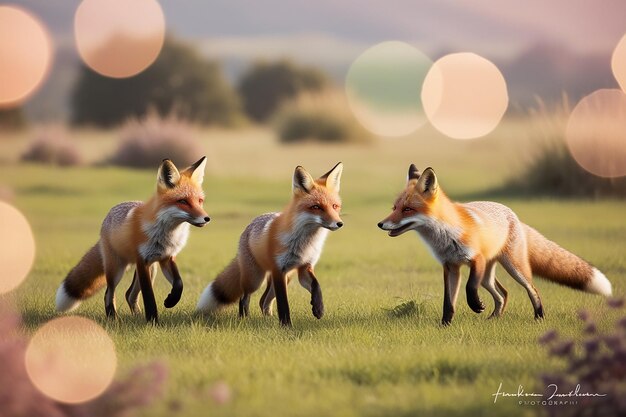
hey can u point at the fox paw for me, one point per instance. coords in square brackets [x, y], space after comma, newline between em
[475, 303]
[318, 309]
[317, 302]
[171, 300]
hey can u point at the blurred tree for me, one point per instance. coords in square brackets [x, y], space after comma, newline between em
[265, 86]
[179, 82]
[12, 118]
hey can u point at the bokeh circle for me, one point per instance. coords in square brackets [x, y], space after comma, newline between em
[618, 63]
[596, 133]
[119, 38]
[464, 95]
[71, 359]
[25, 55]
[17, 247]
[383, 86]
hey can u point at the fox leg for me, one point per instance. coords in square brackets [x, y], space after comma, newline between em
[522, 273]
[244, 305]
[489, 283]
[170, 270]
[132, 294]
[279, 283]
[114, 270]
[147, 293]
[307, 279]
[503, 292]
[267, 299]
[451, 286]
[477, 273]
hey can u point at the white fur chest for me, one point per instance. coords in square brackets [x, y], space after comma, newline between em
[166, 237]
[303, 246]
[444, 242]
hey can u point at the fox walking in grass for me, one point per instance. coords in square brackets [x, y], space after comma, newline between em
[277, 245]
[143, 234]
[479, 234]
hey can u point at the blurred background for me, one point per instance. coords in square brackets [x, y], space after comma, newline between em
[146, 80]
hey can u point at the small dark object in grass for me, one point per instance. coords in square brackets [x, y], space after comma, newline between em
[404, 309]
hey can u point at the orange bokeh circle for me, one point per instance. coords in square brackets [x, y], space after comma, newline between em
[464, 95]
[71, 359]
[618, 63]
[596, 133]
[119, 38]
[17, 247]
[25, 55]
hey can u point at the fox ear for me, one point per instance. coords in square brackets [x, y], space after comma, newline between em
[302, 180]
[413, 174]
[196, 171]
[333, 177]
[168, 176]
[427, 183]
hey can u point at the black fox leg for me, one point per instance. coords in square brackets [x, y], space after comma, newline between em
[477, 273]
[308, 280]
[170, 270]
[147, 293]
[244, 305]
[451, 286]
[279, 281]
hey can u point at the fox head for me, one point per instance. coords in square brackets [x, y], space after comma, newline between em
[413, 206]
[317, 202]
[180, 193]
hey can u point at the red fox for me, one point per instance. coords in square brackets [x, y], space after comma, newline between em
[143, 234]
[479, 234]
[276, 245]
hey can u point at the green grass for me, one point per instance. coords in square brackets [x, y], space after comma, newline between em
[379, 350]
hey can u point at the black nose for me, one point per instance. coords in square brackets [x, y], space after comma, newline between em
[380, 224]
[339, 224]
[207, 219]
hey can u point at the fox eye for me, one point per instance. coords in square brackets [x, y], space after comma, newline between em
[201, 201]
[335, 206]
[183, 202]
[394, 208]
[407, 209]
[315, 207]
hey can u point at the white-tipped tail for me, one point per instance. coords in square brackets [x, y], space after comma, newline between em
[64, 301]
[208, 302]
[599, 284]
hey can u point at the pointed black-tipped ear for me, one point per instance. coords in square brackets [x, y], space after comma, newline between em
[427, 183]
[196, 170]
[302, 180]
[168, 175]
[332, 178]
[413, 174]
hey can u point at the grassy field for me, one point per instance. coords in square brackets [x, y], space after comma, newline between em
[359, 359]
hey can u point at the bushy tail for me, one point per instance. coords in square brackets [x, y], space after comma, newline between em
[83, 281]
[550, 261]
[226, 289]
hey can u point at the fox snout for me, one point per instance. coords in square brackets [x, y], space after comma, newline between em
[334, 226]
[200, 222]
